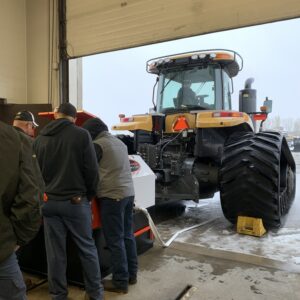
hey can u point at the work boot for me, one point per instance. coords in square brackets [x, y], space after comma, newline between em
[111, 287]
[132, 280]
[86, 297]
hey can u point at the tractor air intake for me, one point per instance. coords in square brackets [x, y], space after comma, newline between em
[247, 98]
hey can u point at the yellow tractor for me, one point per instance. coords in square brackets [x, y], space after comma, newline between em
[197, 145]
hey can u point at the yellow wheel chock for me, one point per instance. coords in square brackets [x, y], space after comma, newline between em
[250, 226]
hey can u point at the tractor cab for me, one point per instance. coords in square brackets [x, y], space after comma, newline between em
[200, 80]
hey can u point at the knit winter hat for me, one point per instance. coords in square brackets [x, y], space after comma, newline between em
[94, 126]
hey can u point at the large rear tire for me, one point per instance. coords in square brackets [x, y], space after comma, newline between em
[257, 177]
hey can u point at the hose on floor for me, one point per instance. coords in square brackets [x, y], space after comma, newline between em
[157, 234]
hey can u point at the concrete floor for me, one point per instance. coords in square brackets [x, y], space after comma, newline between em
[164, 273]
[214, 260]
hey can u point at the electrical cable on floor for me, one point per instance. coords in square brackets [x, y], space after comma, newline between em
[156, 233]
[34, 285]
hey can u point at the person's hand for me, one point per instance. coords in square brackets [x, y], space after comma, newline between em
[17, 248]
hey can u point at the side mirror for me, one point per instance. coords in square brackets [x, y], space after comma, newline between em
[268, 105]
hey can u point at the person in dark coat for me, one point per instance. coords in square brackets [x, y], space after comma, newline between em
[19, 213]
[24, 122]
[69, 166]
[116, 195]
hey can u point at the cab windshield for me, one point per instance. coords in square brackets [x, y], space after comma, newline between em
[188, 89]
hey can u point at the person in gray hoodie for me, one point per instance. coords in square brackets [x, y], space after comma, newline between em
[115, 192]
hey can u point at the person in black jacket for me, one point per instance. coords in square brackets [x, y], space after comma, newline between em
[19, 213]
[68, 163]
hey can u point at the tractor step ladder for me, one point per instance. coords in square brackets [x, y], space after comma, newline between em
[250, 226]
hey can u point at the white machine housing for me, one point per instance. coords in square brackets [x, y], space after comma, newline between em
[144, 182]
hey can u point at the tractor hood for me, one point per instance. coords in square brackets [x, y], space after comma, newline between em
[176, 122]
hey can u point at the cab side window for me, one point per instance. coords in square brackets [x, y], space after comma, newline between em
[226, 91]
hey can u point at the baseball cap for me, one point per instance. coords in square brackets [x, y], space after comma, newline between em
[25, 115]
[67, 109]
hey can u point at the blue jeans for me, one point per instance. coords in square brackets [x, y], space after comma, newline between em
[12, 286]
[117, 222]
[61, 217]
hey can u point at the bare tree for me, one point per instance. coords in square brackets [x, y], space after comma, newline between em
[297, 126]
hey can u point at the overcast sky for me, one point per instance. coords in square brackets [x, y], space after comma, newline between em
[117, 82]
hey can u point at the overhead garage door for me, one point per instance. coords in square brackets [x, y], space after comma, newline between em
[95, 26]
